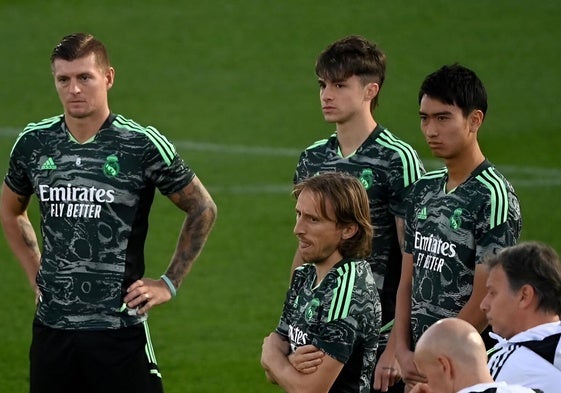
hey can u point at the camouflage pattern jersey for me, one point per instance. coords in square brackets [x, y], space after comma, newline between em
[94, 202]
[387, 167]
[448, 233]
[341, 316]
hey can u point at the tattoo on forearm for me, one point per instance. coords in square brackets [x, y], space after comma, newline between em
[201, 214]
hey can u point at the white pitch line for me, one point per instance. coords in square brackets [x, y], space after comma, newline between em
[255, 189]
[237, 149]
[519, 176]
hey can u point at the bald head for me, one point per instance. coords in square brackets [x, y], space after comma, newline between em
[454, 337]
[446, 350]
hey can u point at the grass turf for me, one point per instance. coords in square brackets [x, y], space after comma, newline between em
[232, 84]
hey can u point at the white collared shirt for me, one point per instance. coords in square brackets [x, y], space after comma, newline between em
[496, 387]
[515, 362]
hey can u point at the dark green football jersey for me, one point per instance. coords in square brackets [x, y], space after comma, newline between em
[449, 233]
[94, 200]
[341, 316]
[387, 167]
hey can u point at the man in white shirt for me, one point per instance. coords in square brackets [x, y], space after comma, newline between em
[523, 305]
[451, 355]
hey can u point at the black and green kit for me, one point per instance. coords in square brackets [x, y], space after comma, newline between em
[341, 316]
[94, 200]
[448, 233]
[387, 167]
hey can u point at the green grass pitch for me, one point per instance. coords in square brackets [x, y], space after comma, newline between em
[232, 84]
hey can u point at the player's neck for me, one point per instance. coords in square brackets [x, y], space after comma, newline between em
[536, 318]
[473, 378]
[352, 134]
[461, 167]
[323, 267]
[83, 128]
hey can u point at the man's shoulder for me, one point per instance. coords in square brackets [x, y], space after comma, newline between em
[527, 348]
[538, 332]
[321, 143]
[544, 339]
[385, 146]
[41, 132]
[301, 273]
[122, 123]
[430, 176]
[488, 188]
[45, 124]
[144, 134]
[429, 179]
[387, 138]
[492, 175]
[352, 275]
[498, 387]
[490, 180]
[350, 288]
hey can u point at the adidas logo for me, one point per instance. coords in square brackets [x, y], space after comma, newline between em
[422, 214]
[49, 164]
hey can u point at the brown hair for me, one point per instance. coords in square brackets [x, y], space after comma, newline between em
[350, 204]
[353, 55]
[532, 263]
[78, 45]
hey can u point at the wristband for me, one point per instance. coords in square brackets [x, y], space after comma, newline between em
[170, 285]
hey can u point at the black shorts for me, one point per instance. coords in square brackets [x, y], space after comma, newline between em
[105, 361]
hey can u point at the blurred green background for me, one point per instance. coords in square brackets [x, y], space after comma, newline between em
[231, 83]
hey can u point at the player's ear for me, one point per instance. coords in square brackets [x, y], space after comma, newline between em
[109, 77]
[526, 295]
[448, 370]
[371, 91]
[349, 231]
[445, 366]
[475, 120]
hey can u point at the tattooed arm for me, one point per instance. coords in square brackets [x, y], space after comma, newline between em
[201, 214]
[195, 200]
[19, 232]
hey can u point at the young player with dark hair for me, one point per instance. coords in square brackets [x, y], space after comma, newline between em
[456, 216]
[351, 72]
